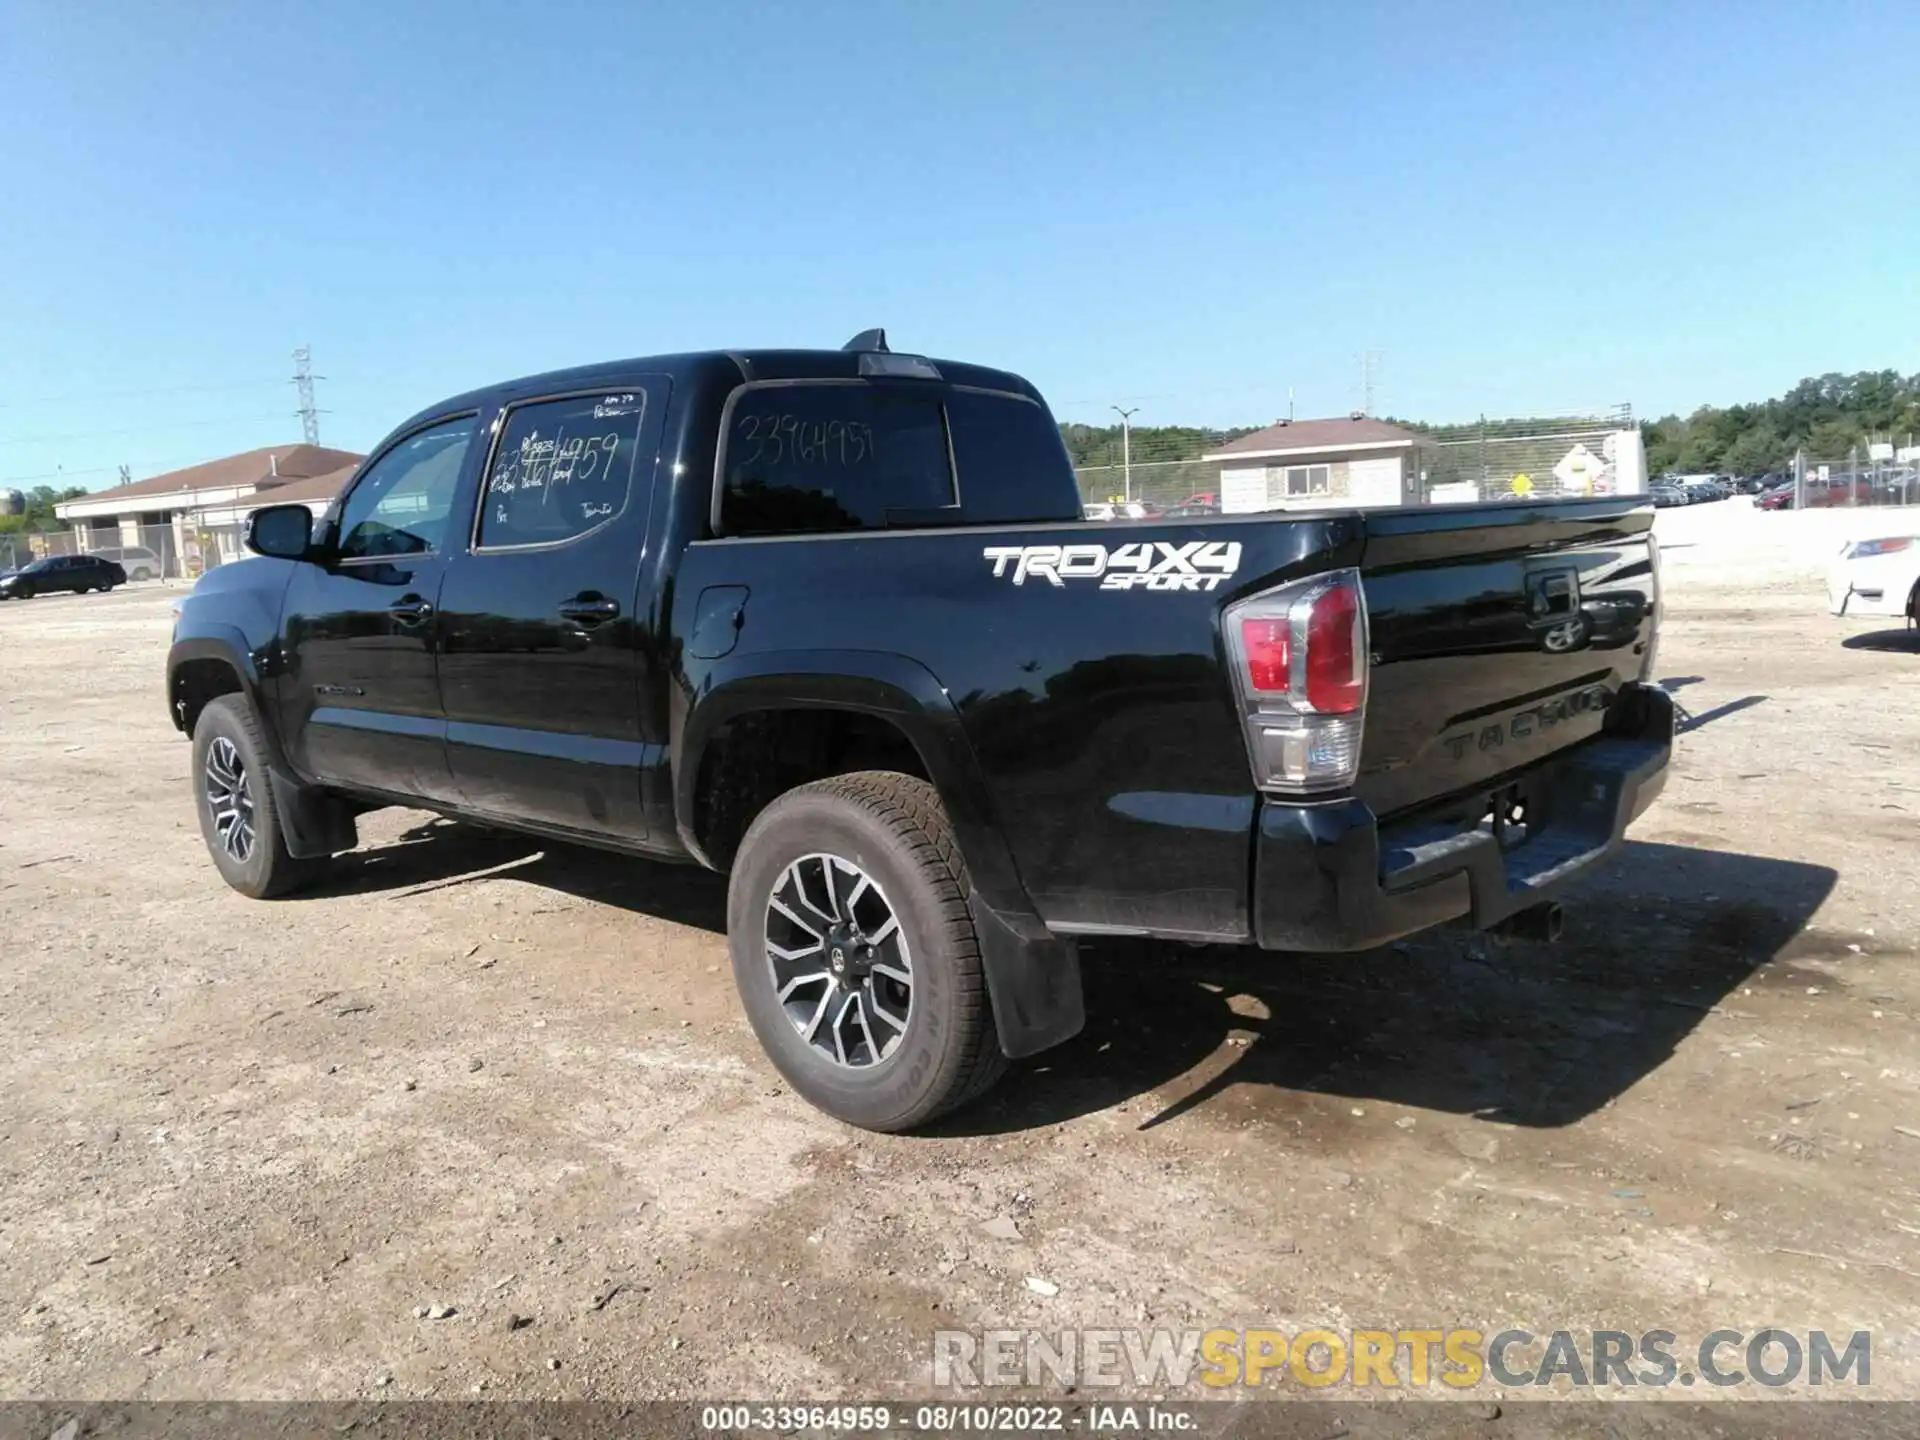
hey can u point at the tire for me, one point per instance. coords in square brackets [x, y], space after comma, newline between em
[894, 856]
[227, 743]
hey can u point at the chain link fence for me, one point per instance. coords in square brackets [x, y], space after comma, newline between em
[1881, 476]
[145, 552]
[1122, 470]
[1553, 458]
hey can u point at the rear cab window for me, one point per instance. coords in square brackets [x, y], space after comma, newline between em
[834, 456]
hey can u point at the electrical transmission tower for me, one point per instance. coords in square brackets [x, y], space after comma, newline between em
[303, 378]
[1369, 372]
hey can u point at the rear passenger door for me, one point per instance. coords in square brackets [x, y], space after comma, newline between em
[541, 620]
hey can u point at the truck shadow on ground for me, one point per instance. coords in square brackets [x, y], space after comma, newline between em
[1898, 642]
[1525, 1034]
[441, 854]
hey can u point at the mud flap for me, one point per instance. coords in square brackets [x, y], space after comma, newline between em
[1033, 980]
[313, 825]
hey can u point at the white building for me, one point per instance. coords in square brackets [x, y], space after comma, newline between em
[191, 518]
[1307, 464]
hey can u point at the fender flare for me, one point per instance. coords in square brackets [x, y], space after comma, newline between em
[312, 824]
[1033, 976]
[224, 643]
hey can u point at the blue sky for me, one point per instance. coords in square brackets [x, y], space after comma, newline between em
[1185, 207]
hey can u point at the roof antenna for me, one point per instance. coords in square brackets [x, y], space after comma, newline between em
[868, 340]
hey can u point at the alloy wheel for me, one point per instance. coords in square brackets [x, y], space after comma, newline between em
[228, 800]
[839, 960]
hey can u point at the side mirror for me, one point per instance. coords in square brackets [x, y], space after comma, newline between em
[284, 532]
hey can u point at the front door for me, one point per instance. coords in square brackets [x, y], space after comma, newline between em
[540, 662]
[359, 700]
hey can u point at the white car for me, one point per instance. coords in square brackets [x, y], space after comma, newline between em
[1877, 577]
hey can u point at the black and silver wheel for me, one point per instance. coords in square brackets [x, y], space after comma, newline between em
[855, 953]
[238, 819]
[839, 961]
[229, 806]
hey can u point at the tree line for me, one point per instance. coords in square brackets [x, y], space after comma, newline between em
[1825, 417]
[37, 518]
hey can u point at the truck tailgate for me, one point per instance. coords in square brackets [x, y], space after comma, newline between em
[1499, 635]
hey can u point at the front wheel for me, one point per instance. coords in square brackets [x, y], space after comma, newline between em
[238, 817]
[855, 954]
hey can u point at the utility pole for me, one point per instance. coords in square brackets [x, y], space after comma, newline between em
[303, 378]
[1126, 448]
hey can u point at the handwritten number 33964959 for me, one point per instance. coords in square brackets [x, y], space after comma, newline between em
[777, 438]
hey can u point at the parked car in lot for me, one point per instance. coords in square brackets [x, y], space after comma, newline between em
[830, 622]
[53, 573]
[1666, 496]
[1877, 576]
[138, 561]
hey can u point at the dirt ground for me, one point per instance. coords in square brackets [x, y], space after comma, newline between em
[243, 1144]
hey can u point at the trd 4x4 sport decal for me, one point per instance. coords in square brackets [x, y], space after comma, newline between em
[1144, 565]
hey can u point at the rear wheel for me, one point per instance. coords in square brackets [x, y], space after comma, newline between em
[855, 954]
[238, 817]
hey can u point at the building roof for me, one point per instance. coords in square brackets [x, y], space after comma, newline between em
[298, 492]
[274, 465]
[1290, 437]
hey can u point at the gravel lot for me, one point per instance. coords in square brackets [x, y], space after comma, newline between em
[243, 1144]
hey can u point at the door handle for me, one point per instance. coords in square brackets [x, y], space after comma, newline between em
[411, 611]
[583, 611]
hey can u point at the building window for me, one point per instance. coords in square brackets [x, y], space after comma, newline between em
[1298, 482]
[1308, 479]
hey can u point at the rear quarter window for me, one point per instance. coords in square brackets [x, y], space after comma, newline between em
[833, 457]
[863, 455]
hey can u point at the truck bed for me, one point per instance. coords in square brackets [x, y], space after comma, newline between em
[1086, 667]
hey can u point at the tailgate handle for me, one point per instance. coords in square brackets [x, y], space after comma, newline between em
[1554, 592]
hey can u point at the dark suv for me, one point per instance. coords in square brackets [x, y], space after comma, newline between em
[78, 573]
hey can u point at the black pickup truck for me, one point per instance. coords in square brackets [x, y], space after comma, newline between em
[830, 622]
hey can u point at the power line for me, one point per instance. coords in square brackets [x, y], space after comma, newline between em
[136, 394]
[139, 430]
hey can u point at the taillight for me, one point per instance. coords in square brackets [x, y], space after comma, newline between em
[1336, 660]
[1269, 651]
[1299, 658]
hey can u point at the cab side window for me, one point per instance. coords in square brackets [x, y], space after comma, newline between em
[401, 505]
[560, 469]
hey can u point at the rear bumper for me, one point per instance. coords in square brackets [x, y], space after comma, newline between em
[1329, 878]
